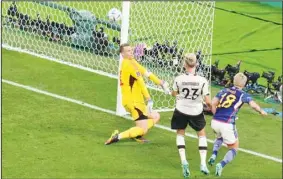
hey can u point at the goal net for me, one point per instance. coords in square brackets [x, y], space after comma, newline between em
[82, 34]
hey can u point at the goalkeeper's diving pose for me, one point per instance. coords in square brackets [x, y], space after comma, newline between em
[135, 97]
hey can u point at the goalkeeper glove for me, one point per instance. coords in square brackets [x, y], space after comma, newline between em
[149, 106]
[165, 87]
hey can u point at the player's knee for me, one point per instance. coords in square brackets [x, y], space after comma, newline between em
[180, 132]
[136, 131]
[233, 145]
[144, 124]
[145, 130]
[155, 116]
[150, 123]
[201, 133]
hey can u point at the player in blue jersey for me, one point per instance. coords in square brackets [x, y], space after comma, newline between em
[225, 106]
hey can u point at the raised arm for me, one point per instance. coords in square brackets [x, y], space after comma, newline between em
[153, 78]
[256, 107]
[248, 99]
[148, 74]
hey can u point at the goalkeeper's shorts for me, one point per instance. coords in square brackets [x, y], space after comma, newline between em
[138, 111]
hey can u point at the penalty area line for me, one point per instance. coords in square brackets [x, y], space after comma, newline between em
[126, 117]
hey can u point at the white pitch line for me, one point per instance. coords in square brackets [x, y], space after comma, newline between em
[126, 117]
[46, 57]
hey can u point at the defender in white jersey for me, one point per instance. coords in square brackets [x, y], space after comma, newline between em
[190, 91]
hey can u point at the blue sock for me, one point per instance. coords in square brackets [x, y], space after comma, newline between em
[215, 152]
[230, 155]
[217, 144]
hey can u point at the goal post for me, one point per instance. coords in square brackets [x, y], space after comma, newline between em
[81, 34]
[161, 32]
[120, 110]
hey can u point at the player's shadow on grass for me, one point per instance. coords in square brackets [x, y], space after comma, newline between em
[132, 142]
[129, 142]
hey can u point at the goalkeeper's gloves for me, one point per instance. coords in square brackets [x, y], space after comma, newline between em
[165, 87]
[149, 106]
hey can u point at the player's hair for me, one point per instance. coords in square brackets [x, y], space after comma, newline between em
[240, 80]
[122, 46]
[190, 60]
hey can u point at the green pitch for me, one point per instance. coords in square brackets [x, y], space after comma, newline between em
[45, 137]
[66, 140]
[48, 138]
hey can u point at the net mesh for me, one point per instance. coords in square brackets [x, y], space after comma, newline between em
[82, 34]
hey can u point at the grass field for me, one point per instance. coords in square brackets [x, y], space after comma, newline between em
[45, 137]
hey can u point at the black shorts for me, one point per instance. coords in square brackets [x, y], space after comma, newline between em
[180, 121]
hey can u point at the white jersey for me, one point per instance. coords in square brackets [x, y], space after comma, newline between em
[191, 89]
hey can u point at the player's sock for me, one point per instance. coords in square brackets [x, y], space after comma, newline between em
[217, 145]
[202, 149]
[180, 141]
[230, 155]
[131, 133]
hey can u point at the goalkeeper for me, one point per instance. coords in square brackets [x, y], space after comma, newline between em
[135, 97]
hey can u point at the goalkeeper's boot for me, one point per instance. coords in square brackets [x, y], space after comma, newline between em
[141, 139]
[204, 169]
[219, 169]
[113, 138]
[211, 160]
[186, 170]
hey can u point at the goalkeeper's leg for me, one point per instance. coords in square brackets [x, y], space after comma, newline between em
[143, 119]
[141, 128]
[143, 123]
[130, 133]
[148, 123]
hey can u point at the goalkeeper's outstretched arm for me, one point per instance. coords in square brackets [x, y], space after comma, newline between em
[153, 78]
[149, 75]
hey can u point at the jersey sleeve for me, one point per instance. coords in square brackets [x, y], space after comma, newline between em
[148, 74]
[247, 98]
[220, 93]
[137, 75]
[205, 90]
[140, 67]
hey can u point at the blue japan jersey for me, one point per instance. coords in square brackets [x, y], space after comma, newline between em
[230, 101]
